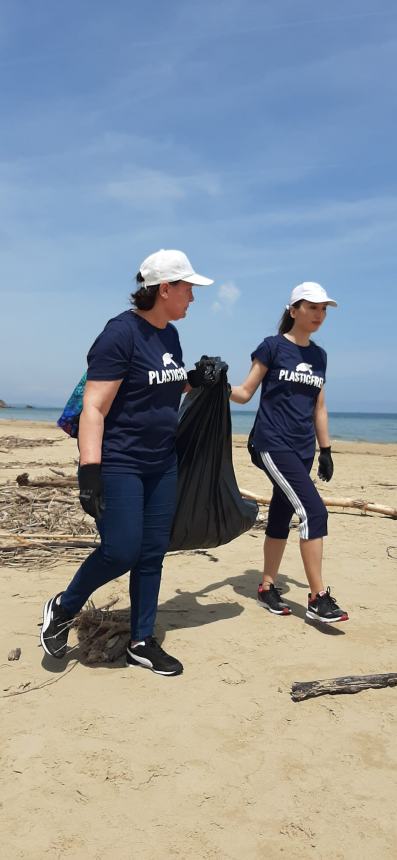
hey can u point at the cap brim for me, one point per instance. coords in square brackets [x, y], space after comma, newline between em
[332, 302]
[197, 280]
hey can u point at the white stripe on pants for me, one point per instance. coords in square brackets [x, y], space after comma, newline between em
[289, 492]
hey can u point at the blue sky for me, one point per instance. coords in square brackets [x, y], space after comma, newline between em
[259, 137]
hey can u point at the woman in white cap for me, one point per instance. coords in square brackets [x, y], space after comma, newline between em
[128, 471]
[292, 413]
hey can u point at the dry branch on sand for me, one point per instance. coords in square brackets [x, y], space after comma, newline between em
[103, 635]
[359, 504]
[302, 690]
[31, 464]
[23, 480]
[31, 521]
[45, 525]
[7, 443]
[42, 523]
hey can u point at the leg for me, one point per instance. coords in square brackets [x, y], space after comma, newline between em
[312, 557]
[160, 503]
[159, 509]
[279, 518]
[273, 550]
[295, 490]
[120, 529]
[292, 476]
[277, 531]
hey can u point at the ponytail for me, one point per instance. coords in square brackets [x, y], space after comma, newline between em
[287, 321]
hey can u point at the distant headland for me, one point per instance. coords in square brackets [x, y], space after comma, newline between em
[4, 405]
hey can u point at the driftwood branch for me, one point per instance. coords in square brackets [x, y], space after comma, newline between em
[11, 541]
[360, 504]
[23, 480]
[301, 690]
[43, 536]
[71, 543]
[43, 525]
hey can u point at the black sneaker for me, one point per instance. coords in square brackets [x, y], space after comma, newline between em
[150, 655]
[270, 599]
[55, 628]
[325, 608]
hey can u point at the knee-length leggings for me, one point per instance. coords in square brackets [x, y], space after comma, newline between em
[135, 531]
[293, 492]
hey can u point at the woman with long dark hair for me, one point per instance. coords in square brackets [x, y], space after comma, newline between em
[292, 413]
[128, 468]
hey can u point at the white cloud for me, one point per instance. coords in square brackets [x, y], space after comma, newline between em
[228, 295]
[147, 186]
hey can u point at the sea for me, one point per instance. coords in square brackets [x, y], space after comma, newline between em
[353, 426]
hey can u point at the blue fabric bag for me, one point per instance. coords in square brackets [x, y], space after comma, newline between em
[69, 420]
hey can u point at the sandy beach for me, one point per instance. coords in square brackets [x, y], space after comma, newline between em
[109, 762]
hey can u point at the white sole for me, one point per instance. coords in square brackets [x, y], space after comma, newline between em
[46, 623]
[156, 671]
[144, 663]
[273, 611]
[44, 627]
[314, 617]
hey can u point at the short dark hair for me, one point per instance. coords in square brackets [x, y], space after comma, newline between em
[286, 322]
[144, 298]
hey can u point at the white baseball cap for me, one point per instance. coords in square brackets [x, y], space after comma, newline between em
[311, 292]
[170, 266]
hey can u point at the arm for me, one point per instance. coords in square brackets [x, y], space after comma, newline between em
[325, 463]
[98, 398]
[243, 393]
[321, 421]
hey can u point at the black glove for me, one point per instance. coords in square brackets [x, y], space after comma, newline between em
[325, 464]
[91, 491]
[207, 371]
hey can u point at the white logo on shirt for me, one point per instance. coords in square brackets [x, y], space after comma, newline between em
[304, 368]
[302, 374]
[171, 374]
[168, 359]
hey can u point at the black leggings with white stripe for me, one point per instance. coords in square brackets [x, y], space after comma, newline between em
[293, 492]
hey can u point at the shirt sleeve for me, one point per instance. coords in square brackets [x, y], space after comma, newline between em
[263, 352]
[110, 355]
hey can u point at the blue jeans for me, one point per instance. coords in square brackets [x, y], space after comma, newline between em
[135, 531]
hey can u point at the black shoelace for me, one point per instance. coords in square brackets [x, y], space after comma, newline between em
[329, 599]
[152, 642]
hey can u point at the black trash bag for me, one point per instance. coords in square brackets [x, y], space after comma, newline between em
[210, 509]
[254, 454]
[207, 371]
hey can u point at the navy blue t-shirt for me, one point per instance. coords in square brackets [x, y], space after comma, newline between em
[295, 377]
[140, 428]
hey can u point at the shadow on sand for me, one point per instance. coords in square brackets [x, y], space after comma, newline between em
[188, 609]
